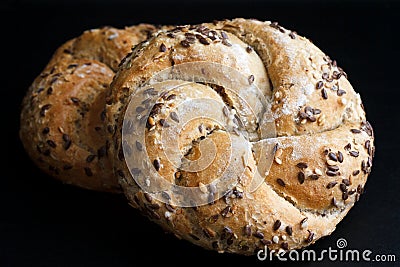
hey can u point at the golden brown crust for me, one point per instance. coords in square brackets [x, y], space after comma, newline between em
[323, 144]
[62, 114]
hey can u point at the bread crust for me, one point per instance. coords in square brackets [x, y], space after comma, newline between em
[62, 117]
[323, 144]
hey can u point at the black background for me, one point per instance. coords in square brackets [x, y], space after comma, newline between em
[45, 223]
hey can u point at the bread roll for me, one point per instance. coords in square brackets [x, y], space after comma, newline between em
[62, 113]
[294, 140]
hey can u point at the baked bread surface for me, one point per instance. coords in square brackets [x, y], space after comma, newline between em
[322, 147]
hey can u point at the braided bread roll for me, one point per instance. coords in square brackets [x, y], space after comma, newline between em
[276, 162]
[296, 161]
[62, 114]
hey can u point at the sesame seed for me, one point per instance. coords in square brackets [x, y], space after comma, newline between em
[171, 97]
[148, 197]
[51, 143]
[317, 111]
[302, 165]
[303, 223]
[356, 131]
[334, 202]
[345, 195]
[67, 167]
[319, 85]
[278, 152]
[249, 49]
[354, 153]
[157, 164]
[289, 230]
[165, 195]
[308, 110]
[44, 109]
[185, 43]
[275, 149]
[266, 242]
[310, 237]
[291, 35]
[352, 191]
[314, 176]
[203, 40]
[303, 115]
[88, 171]
[346, 181]
[224, 35]
[276, 225]
[275, 239]
[251, 79]
[140, 109]
[331, 173]
[333, 168]
[324, 94]
[301, 177]
[367, 146]
[318, 171]
[331, 162]
[258, 235]
[360, 189]
[45, 130]
[340, 92]
[174, 116]
[169, 207]
[226, 42]
[163, 48]
[312, 119]
[121, 173]
[340, 156]
[215, 245]
[285, 245]
[278, 161]
[226, 232]
[225, 111]
[331, 185]
[90, 158]
[363, 166]
[102, 151]
[135, 171]
[213, 218]
[139, 146]
[225, 211]
[67, 141]
[332, 156]
[70, 66]
[149, 91]
[280, 182]
[164, 123]
[343, 188]
[356, 172]
[153, 206]
[347, 147]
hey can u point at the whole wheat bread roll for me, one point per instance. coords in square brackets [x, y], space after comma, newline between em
[318, 143]
[62, 113]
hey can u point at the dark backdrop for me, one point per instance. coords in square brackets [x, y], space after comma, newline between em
[45, 223]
